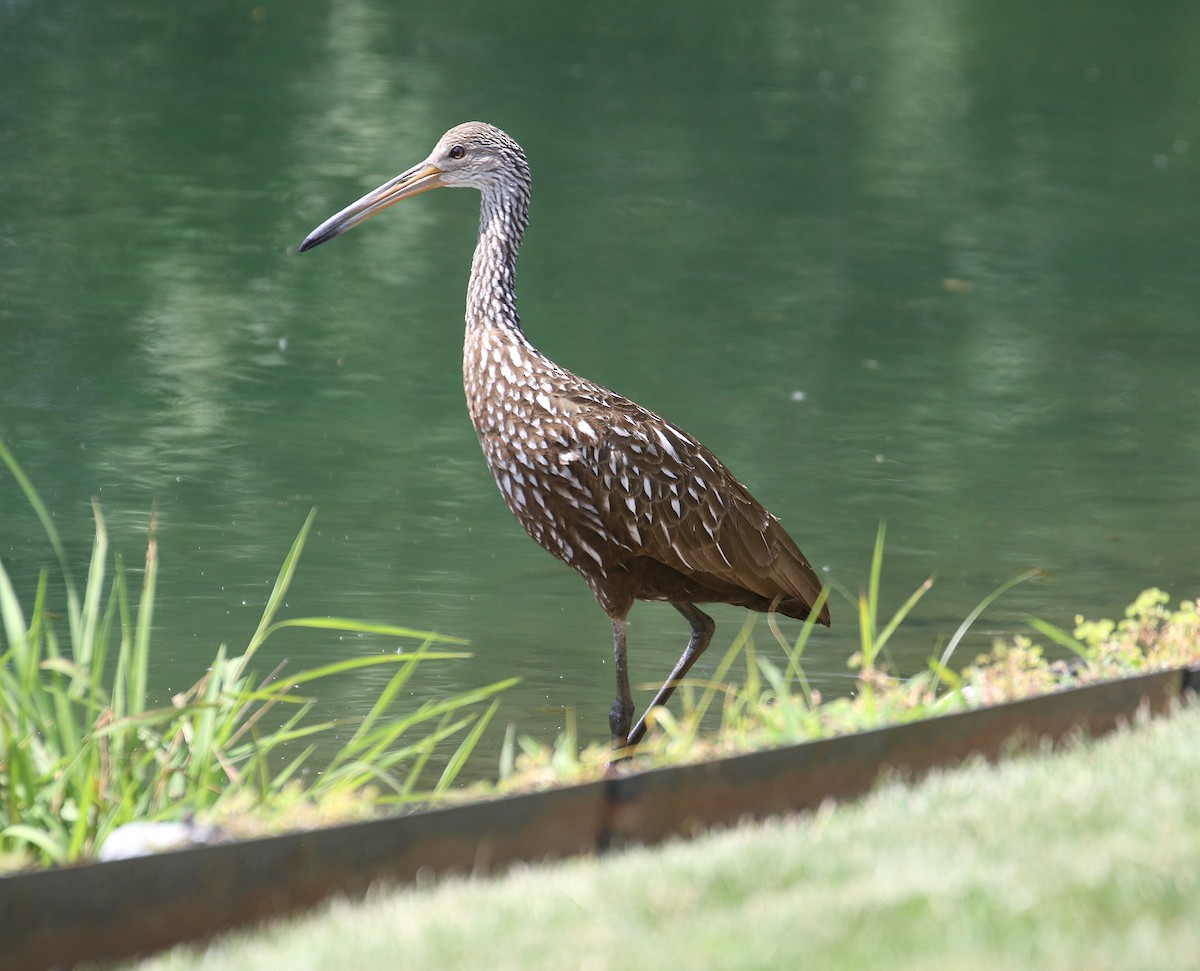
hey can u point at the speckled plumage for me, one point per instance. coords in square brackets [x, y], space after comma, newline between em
[637, 506]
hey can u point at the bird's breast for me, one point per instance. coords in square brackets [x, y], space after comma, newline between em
[534, 440]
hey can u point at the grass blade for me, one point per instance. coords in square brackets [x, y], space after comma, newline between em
[47, 521]
[983, 605]
[278, 591]
[1059, 636]
[465, 748]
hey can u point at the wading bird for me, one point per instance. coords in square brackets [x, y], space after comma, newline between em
[637, 506]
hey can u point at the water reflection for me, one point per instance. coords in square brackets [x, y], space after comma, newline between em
[966, 237]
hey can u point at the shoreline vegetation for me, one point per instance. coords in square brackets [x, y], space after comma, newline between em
[83, 752]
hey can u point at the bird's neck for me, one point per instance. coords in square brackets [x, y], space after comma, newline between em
[491, 294]
[496, 352]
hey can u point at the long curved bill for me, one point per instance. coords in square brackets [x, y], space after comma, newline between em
[419, 178]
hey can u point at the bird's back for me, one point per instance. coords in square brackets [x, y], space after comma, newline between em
[638, 507]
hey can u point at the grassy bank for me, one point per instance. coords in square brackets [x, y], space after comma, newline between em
[1084, 859]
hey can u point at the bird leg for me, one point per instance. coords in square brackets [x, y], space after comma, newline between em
[620, 716]
[702, 632]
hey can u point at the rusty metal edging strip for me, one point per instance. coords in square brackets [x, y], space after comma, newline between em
[690, 798]
[55, 918]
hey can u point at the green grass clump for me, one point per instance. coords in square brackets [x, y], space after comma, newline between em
[83, 750]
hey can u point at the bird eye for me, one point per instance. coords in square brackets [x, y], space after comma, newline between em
[457, 151]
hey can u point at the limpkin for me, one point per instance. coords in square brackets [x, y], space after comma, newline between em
[637, 506]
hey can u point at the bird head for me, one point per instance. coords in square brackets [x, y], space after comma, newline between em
[472, 155]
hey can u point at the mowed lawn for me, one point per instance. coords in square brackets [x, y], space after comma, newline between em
[1084, 859]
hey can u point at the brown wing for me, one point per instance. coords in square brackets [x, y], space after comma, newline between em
[664, 495]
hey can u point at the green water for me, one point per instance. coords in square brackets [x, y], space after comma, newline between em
[933, 263]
